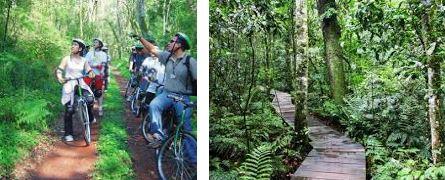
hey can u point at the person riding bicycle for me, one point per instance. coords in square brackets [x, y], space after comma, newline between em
[153, 80]
[96, 59]
[136, 63]
[106, 68]
[132, 57]
[74, 66]
[86, 50]
[138, 58]
[177, 82]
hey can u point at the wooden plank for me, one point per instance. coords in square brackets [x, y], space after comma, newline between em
[325, 175]
[334, 155]
[351, 169]
[351, 155]
[336, 160]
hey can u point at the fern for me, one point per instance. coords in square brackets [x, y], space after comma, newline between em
[258, 164]
[32, 112]
[396, 139]
[435, 173]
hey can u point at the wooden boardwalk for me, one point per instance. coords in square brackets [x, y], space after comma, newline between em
[334, 156]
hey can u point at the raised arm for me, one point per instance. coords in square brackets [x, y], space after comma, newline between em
[60, 69]
[150, 47]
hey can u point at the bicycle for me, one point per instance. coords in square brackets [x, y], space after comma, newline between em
[146, 122]
[172, 163]
[130, 85]
[136, 101]
[82, 110]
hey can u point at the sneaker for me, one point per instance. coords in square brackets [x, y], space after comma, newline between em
[154, 138]
[69, 138]
[94, 120]
[157, 137]
[156, 141]
[101, 112]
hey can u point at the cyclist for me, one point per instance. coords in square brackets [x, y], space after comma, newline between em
[132, 56]
[177, 82]
[106, 68]
[138, 58]
[153, 80]
[74, 66]
[85, 51]
[96, 59]
[136, 62]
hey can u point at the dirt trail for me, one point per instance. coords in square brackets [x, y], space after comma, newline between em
[143, 157]
[56, 159]
[69, 160]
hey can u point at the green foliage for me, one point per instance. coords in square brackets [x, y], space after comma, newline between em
[221, 175]
[114, 159]
[15, 144]
[258, 164]
[228, 141]
[386, 107]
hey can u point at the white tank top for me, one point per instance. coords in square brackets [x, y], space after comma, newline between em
[74, 69]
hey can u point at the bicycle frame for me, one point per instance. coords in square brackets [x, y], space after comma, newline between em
[181, 121]
[81, 103]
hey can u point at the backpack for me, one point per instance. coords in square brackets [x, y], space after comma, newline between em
[194, 85]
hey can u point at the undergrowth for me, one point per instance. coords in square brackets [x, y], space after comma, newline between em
[114, 159]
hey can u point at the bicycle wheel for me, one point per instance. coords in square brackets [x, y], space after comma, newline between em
[173, 161]
[135, 105]
[167, 123]
[146, 125]
[127, 89]
[86, 124]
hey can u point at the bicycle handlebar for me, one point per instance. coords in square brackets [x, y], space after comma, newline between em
[69, 79]
[182, 100]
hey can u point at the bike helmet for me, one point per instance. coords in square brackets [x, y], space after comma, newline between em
[81, 44]
[100, 41]
[139, 46]
[184, 40]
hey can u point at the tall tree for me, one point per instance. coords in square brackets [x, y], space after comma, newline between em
[332, 50]
[9, 3]
[433, 65]
[140, 14]
[166, 11]
[81, 18]
[301, 40]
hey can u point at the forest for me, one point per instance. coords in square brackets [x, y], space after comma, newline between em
[37, 34]
[371, 69]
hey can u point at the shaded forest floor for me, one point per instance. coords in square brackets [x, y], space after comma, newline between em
[143, 157]
[56, 159]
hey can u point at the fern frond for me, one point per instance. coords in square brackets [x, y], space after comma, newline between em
[258, 164]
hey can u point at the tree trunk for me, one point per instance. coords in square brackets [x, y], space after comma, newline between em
[289, 79]
[332, 50]
[301, 76]
[433, 63]
[119, 26]
[268, 42]
[165, 17]
[6, 24]
[140, 14]
[81, 18]
[252, 84]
